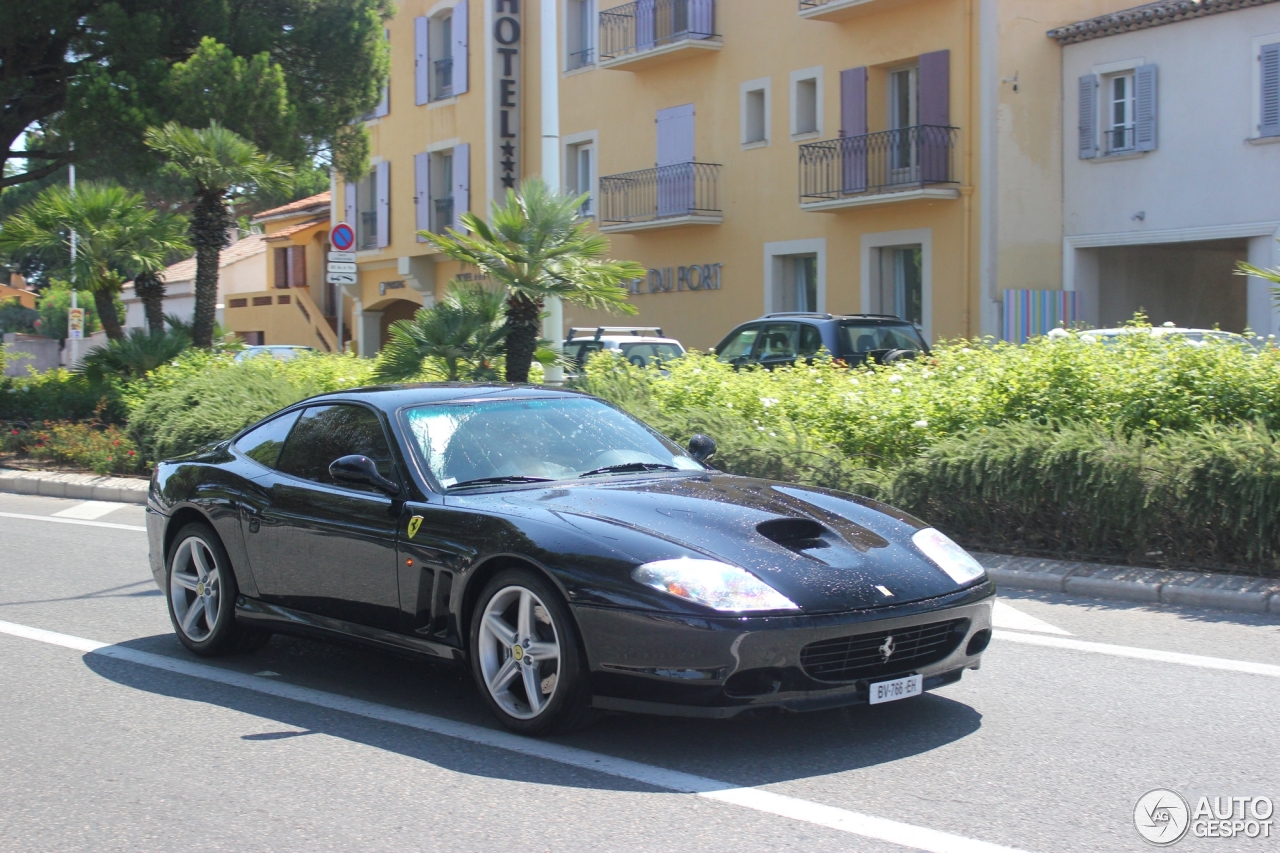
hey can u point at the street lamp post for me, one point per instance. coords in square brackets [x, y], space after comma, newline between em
[553, 323]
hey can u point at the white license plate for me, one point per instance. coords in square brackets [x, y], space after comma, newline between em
[899, 688]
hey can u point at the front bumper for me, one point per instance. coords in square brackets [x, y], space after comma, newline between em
[722, 666]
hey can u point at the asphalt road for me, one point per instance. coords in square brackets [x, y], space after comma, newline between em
[115, 738]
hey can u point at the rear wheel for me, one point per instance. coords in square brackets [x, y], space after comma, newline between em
[202, 594]
[525, 656]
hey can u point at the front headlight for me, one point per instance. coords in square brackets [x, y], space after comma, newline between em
[712, 583]
[949, 556]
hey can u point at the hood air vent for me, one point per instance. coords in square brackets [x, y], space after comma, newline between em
[796, 534]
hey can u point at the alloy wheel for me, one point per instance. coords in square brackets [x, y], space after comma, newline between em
[519, 652]
[195, 587]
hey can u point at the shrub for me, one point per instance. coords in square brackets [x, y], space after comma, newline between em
[103, 450]
[15, 317]
[135, 355]
[59, 395]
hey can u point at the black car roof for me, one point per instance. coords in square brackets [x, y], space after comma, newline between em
[389, 398]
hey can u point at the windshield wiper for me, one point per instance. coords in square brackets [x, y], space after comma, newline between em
[627, 467]
[494, 481]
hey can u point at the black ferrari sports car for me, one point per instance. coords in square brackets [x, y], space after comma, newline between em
[572, 557]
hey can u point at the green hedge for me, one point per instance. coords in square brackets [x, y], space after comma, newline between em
[59, 395]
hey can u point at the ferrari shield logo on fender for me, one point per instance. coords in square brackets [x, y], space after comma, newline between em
[414, 524]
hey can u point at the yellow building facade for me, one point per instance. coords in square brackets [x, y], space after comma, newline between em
[881, 156]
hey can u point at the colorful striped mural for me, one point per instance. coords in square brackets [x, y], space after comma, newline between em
[1028, 313]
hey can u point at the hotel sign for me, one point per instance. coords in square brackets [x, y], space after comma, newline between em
[676, 279]
[506, 40]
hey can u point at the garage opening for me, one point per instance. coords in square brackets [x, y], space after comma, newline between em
[1188, 284]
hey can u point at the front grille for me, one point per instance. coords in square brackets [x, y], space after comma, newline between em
[861, 656]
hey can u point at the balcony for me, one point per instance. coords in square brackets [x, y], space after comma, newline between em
[648, 32]
[890, 166]
[664, 197]
[842, 10]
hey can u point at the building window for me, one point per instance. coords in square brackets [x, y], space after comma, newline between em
[899, 284]
[797, 289]
[441, 191]
[580, 172]
[1120, 111]
[904, 113]
[441, 51]
[755, 112]
[580, 34]
[805, 109]
[367, 208]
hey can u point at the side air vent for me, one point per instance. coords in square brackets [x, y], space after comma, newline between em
[797, 534]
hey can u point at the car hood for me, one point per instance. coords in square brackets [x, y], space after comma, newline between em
[824, 550]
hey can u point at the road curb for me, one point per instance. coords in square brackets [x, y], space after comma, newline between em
[88, 487]
[1129, 583]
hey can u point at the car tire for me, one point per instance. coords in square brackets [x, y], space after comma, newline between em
[201, 591]
[538, 656]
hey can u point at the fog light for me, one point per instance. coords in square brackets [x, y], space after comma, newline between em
[978, 642]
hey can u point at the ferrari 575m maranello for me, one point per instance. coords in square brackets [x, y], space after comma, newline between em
[570, 556]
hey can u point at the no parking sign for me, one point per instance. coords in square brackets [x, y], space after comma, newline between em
[342, 237]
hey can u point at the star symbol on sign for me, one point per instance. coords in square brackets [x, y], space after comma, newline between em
[509, 181]
[508, 149]
[508, 165]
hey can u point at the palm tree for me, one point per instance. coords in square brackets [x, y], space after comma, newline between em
[534, 246]
[117, 235]
[147, 284]
[467, 328]
[224, 166]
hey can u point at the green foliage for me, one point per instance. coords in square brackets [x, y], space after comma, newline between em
[218, 160]
[135, 355]
[204, 397]
[59, 395]
[54, 302]
[102, 449]
[16, 317]
[460, 337]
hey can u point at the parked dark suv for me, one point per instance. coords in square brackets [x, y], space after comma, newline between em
[853, 338]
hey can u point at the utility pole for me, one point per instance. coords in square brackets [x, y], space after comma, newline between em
[549, 54]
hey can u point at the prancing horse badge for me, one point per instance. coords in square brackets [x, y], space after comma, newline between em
[414, 524]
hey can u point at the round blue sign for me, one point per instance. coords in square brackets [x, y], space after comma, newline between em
[342, 237]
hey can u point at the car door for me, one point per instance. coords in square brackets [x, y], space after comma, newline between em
[736, 349]
[779, 343]
[325, 547]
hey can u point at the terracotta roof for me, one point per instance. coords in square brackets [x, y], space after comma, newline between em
[246, 247]
[1149, 15]
[294, 229]
[299, 206]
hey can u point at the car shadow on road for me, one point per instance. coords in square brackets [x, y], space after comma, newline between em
[744, 751]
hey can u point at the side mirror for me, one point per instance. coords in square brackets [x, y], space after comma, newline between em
[361, 469]
[702, 447]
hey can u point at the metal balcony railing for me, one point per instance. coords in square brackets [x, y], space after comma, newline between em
[648, 24]
[444, 77]
[813, 4]
[368, 229]
[1120, 139]
[889, 161]
[581, 58]
[443, 214]
[665, 192]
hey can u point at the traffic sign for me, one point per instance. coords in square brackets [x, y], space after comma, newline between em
[343, 257]
[342, 237]
[342, 267]
[341, 278]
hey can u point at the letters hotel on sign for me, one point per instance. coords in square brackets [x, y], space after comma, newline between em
[506, 37]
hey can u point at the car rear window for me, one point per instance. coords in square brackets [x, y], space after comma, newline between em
[646, 354]
[858, 338]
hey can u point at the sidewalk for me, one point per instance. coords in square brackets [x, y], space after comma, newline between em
[89, 487]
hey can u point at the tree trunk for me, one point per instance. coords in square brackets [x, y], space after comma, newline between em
[150, 290]
[104, 301]
[210, 222]
[523, 331]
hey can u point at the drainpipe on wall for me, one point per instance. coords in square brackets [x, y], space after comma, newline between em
[549, 53]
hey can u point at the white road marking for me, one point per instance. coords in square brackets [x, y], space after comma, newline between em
[90, 510]
[1005, 616]
[843, 820]
[73, 521]
[1225, 664]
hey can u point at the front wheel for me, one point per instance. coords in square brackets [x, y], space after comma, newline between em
[202, 596]
[525, 656]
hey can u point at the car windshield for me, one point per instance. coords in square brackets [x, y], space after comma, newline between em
[560, 438]
[868, 337]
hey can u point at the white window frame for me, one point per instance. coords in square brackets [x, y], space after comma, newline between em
[593, 37]
[762, 84]
[570, 144]
[813, 75]
[872, 243]
[1109, 111]
[775, 276]
[1255, 59]
[1102, 108]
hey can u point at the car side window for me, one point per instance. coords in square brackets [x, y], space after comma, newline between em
[778, 342]
[263, 443]
[326, 433]
[810, 340]
[739, 345]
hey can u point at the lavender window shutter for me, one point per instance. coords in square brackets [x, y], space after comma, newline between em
[645, 13]
[383, 182]
[933, 136]
[460, 40]
[349, 203]
[1144, 119]
[853, 128]
[702, 18]
[421, 67]
[461, 183]
[1088, 116]
[1270, 78]
[422, 193]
